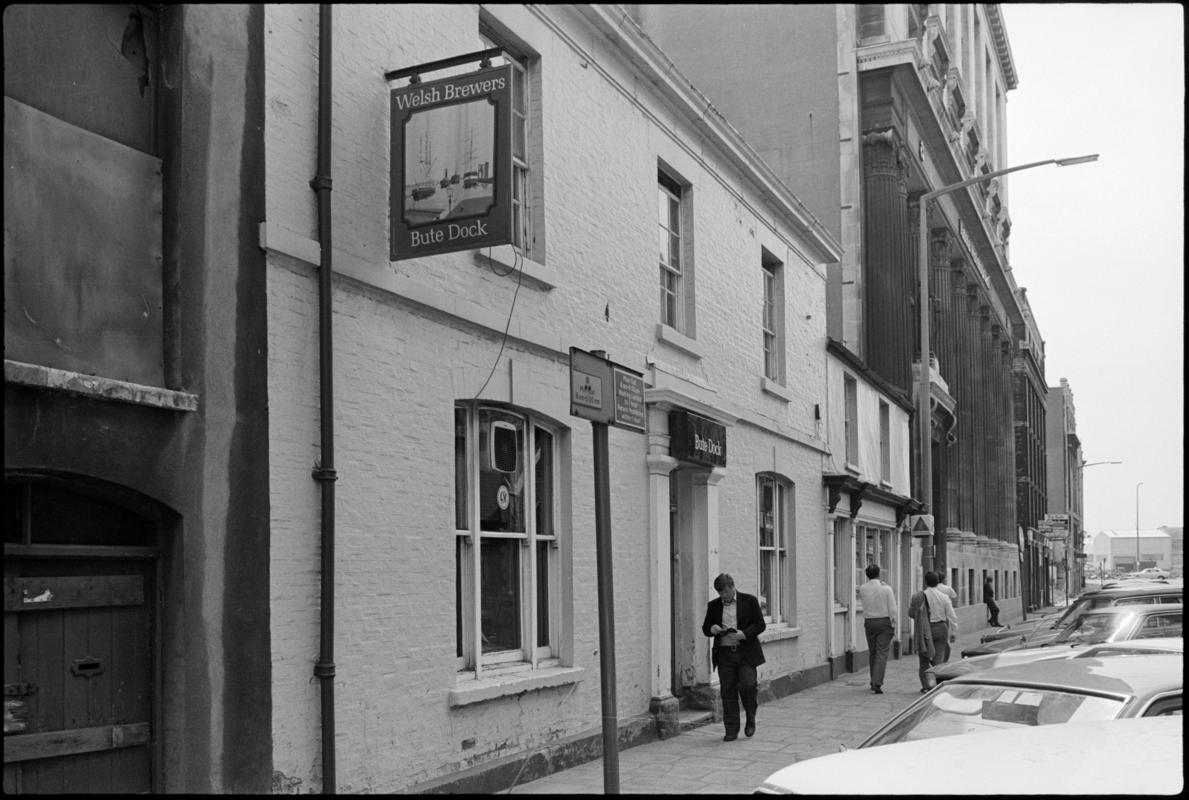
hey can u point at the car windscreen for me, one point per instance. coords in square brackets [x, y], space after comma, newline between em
[1093, 628]
[967, 708]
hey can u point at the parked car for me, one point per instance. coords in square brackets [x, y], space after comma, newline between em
[1150, 572]
[1132, 593]
[1123, 757]
[1052, 650]
[1041, 693]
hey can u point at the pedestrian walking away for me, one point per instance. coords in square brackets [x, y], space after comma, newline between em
[989, 599]
[934, 624]
[949, 592]
[879, 623]
[736, 621]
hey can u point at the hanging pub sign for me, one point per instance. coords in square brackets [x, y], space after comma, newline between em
[697, 439]
[451, 183]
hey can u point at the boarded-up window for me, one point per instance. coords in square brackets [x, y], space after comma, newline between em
[82, 190]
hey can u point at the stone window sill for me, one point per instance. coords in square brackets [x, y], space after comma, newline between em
[679, 341]
[769, 386]
[37, 376]
[509, 684]
[506, 257]
[778, 632]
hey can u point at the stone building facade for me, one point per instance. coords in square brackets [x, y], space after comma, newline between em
[915, 102]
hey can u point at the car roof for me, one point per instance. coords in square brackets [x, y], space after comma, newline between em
[1144, 757]
[1137, 587]
[1160, 644]
[1109, 675]
[1136, 609]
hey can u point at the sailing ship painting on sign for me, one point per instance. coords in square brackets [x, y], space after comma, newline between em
[454, 140]
[451, 182]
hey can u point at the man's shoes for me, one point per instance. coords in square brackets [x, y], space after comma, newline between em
[924, 691]
[750, 728]
[730, 737]
[877, 690]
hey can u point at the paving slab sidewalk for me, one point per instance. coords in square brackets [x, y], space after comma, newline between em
[812, 722]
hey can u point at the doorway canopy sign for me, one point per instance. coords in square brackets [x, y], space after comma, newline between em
[452, 164]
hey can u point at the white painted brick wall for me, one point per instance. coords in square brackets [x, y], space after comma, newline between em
[399, 367]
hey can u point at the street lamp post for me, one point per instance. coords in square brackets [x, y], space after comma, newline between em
[1072, 545]
[923, 409]
[1141, 483]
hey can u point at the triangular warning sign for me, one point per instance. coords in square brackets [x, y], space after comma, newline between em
[921, 525]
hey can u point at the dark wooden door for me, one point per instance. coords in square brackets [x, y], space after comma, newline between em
[78, 677]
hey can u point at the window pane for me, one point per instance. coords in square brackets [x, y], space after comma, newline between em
[543, 594]
[767, 521]
[766, 570]
[519, 136]
[459, 566]
[460, 468]
[518, 89]
[501, 594]
[675, 252]
[544, 481]
[501, 471]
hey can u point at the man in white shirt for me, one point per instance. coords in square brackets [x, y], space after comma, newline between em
[949, 592]
[879, 623]
[934, 624]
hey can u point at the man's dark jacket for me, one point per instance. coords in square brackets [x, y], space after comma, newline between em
[748, 618]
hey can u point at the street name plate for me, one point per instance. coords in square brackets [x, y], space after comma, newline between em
[606, 392]
[629, 399]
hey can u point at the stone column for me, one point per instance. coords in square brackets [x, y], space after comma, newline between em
[705, 530]
[663, 705]
[888, 269]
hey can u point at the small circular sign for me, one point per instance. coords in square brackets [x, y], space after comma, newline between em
[502, 497]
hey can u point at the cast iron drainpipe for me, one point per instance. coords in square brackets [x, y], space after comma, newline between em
[324, 471]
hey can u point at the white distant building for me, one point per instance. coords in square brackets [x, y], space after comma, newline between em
[1115, 551]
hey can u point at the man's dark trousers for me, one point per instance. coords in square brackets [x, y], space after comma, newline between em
[737, 680]
[879, 640]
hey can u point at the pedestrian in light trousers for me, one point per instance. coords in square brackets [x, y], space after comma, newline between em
[934, 622]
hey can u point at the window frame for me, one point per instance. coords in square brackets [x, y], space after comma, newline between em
[781, 609]
[850, 421]
[885, 442]
[534, 543]
[527, 219]
[772, 317]
[672, 257]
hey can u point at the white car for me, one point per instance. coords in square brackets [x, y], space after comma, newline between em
[1150, 572]
[1118, 756]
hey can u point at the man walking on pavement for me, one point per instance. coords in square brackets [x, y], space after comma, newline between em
[989, 599]
[949, 592]
[736, 621]
[934, 623]
[879, 623]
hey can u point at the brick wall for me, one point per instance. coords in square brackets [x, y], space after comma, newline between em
[411, 337]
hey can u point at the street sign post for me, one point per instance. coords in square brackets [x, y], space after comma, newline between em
[606, 393]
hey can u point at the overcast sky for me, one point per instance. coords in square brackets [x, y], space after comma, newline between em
[1100, 247]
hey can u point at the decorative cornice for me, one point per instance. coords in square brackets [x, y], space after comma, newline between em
[888, 54]
[1002, 46]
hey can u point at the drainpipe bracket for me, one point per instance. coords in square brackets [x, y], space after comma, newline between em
[325, 474]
